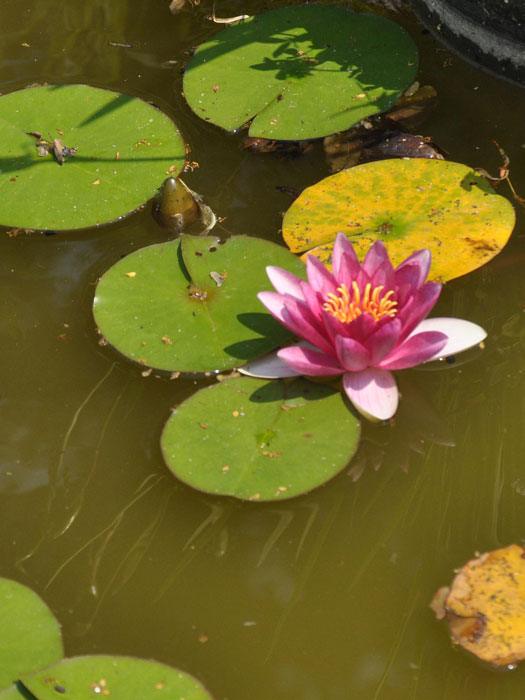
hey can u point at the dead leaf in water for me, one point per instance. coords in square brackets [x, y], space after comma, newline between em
[485, 606]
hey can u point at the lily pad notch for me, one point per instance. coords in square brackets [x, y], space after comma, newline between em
[300, 72]
[75, 156]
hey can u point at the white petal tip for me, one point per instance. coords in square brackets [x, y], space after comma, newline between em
[373, 393]
[268, 367]
[462, 334]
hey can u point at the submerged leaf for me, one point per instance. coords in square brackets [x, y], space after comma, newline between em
[409, 204]
[300, 72]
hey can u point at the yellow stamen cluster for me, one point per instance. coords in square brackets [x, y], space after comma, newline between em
[347, 305]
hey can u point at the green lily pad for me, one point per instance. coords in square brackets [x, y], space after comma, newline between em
[258, 440]
[409, 204]
[191, 305]
[116, 677]
[300, 72]
[124, 149]
[30, 638]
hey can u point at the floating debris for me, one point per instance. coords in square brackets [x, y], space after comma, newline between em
[485, 606]
[180, 209]
[218, 278]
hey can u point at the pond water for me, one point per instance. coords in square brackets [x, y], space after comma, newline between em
[324, 597]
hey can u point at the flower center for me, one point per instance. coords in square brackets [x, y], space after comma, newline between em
[347, 305]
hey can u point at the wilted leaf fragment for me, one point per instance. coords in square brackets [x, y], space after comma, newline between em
[409, 204]
[258, 440]
[300, 72]
[485, 606]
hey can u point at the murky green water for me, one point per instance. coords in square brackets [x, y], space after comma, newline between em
[321, 598]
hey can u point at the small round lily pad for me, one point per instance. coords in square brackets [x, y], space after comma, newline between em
[258, 440]
[191, 305]
[115, 677]
[485, 606]
[409, 204]
[300, 72]
[30, 639]
[74, 156]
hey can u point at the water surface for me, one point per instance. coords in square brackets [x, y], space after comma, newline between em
[321, 598]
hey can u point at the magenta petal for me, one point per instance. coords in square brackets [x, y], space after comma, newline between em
[313, 301]
[406, 282]
[420, 261]
[295, 316]
[310, 362]
[373, 392]
[320, 278]
[361, 328]
[274, 302]
[377, 262]
[352, 355]
[419, 306]
[416, 350]
[284, 282]
[298, 318]
[333, 328]
[383, 341]
[345, 263]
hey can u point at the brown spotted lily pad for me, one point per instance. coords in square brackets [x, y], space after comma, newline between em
[485, 606]
[409, 204]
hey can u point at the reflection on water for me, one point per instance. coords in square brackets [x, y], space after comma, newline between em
[321, 598]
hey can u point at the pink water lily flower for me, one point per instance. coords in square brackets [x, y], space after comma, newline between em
[361, 321]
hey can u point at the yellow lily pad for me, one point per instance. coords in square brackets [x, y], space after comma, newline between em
[409, 204]
[485, 606]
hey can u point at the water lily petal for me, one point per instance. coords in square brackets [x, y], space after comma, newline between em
[361, 328]
[285, 282]
[461, 334]
[419, 306]
[313, 300]
[345, 263]
[310, 362]
[295, 316]
[268, 367]
[320, 277]
[417, 349]
[274, 302]
[383, 341]
[418, 262]
[406, 283]
[352, 355]
[377, 265]
[301, 321]
[373, 392]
